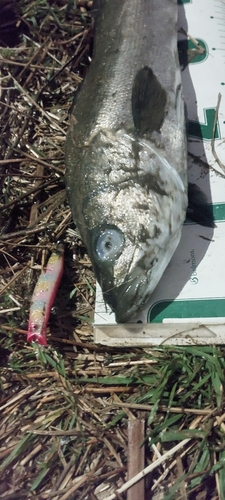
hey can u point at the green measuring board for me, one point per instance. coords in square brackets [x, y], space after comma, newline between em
[189, 308]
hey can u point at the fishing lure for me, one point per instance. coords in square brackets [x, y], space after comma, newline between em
[44, 296]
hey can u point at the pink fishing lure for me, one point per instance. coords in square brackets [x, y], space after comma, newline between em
[44, 296]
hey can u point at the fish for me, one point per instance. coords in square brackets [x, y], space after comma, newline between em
[44, 295]
[126, 151]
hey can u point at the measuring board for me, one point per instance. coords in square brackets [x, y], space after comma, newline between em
[188, 305]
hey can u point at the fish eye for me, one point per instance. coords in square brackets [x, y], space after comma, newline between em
[109, 244]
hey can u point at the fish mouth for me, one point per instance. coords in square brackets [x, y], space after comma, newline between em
[131, 296]
[127, 299]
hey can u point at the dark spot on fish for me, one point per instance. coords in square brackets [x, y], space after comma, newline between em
[150, 182]
[157, 232]
[148, 102]
[136, 148]
[146, 265]
[141, 206]
[177, 99]
[143, 233]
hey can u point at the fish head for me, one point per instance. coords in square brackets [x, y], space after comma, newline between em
[132, 223]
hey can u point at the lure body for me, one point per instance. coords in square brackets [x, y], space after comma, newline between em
[44, 296]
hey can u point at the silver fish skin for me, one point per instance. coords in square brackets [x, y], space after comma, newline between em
[126, 152]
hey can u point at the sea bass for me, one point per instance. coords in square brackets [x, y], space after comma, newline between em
[126, 151]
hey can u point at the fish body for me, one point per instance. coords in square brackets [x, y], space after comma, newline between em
[44, 296]
[126, 152]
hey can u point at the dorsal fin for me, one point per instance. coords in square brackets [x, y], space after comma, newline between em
[148, 102]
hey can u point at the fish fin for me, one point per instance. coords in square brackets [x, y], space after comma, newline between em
[199, 210]
[148, 102]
